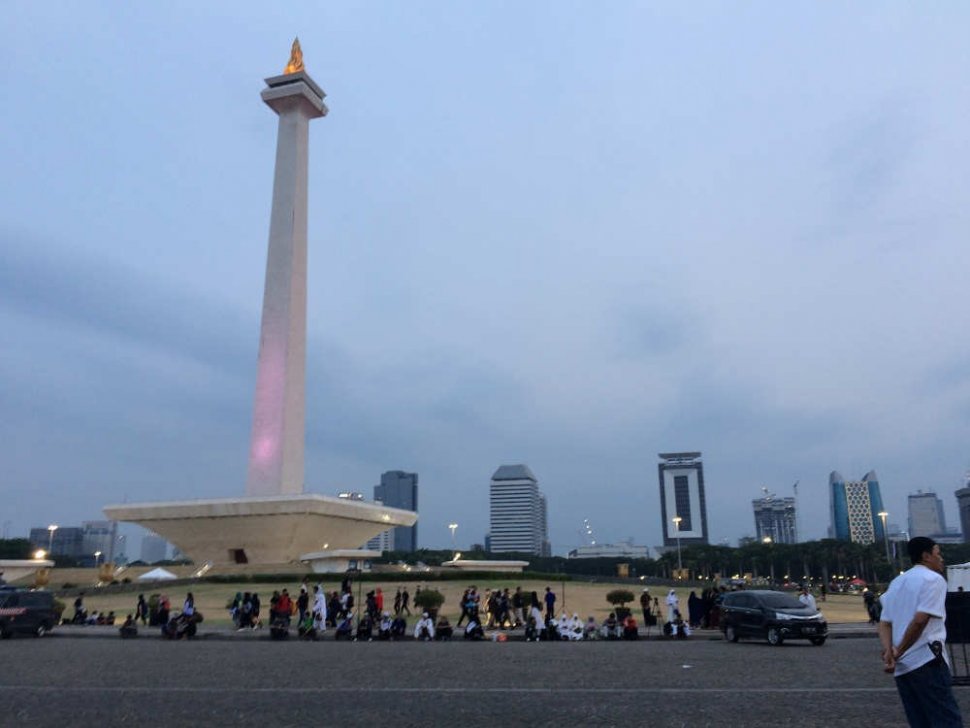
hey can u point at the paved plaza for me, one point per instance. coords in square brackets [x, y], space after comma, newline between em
[60, 681]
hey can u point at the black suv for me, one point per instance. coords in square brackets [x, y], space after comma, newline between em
[26, 611]
[771, 615]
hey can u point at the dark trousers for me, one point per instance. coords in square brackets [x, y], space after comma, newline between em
[928, 698]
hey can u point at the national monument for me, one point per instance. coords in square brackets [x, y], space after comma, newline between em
[277, 522]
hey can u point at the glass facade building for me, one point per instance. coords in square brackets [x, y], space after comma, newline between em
[854, 507]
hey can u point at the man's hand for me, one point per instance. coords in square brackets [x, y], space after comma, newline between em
[889, 656]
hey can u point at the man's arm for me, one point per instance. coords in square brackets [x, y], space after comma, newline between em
[885, 630]
[912, 633]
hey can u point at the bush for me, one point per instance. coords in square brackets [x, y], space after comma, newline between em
[619, 597]
[429, 600]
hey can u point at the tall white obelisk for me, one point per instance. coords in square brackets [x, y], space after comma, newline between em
[276, 450]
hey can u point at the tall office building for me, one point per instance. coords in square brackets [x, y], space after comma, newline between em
[682, 496]
[400, 490]
[545, 549]
[854, 506]
[774, 518]
[963, 505]
[516, 509]
[68, 541]
[99, 536]
[926, 515]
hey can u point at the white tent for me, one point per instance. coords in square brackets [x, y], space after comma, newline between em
[958, 576]
[158, 574]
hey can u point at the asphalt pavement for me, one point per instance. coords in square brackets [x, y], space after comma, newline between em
[54, 681]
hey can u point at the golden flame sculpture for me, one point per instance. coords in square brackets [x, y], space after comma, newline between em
[296, 58]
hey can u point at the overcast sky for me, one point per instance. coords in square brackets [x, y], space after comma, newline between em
[571, 235]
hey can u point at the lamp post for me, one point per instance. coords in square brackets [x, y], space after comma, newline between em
[453, 527]
[97, 559]
[885, 534]
[50, 538]
[680, 566]
[771, 562]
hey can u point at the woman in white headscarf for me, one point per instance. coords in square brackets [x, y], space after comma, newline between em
[673, 605]
[576, 628]
[319, 610]
[563, 626]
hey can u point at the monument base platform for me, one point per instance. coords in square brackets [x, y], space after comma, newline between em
[262, 530]
[337, 561]
[506, 567]
[16, 569]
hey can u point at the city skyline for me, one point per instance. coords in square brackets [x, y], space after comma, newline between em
[586, 237]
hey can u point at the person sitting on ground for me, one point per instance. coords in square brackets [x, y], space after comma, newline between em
[474, 630]
[306, 628]
[110, 619]
[572, 630]
[129, 628]
[679, 628]
[563, 626]
[591, 630]
[610, 629]
[93, 618]
[424, 628]
[399, 627]
[442, 630]
[345, 628]
[551, 631]
[630, 629]
[384, 628]
[532, 632]
[365, 628]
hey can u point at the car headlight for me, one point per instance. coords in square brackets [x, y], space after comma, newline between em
[782, 617]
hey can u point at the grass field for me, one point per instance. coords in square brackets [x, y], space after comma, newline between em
[579, 597]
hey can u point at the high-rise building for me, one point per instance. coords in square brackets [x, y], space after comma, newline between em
[926, 514]
[68, 541]
[774, 518]
[516, 510]
[153, 548]
[400, 490]
[855, 506]
[963, 505]
[546, 548]
[99, 536]
[682, 498]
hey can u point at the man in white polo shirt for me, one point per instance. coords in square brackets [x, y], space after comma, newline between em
[913, 636]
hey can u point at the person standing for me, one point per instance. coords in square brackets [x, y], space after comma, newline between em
[141, 610]
[912, 630]
[550, 599]
[303, 602]
[405, 601]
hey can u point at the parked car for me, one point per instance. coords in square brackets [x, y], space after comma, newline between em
[770, 615]
[26, 611]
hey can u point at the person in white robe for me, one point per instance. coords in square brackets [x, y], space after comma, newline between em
[673, 605]
[319, 610]
[424, 628]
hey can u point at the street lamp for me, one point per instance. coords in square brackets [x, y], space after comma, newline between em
[885, 534]
[97, 559]
[680, 566]
[50, 539]
[767, 541]
[453, 527]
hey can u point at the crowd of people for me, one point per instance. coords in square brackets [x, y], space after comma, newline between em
[314, 611]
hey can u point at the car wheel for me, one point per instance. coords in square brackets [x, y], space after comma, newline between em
[5, 634]
[817, 641]
[774, 636]
[730, 634]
